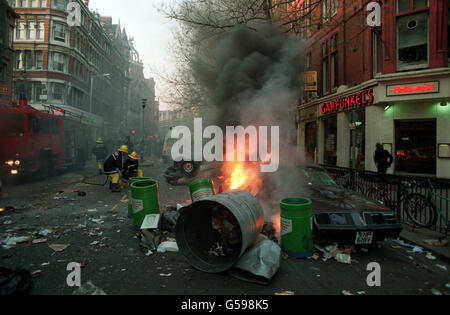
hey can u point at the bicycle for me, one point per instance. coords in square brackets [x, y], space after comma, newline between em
[380, 192]
[422, 209]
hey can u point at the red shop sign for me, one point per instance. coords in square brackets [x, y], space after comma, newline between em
[354, 101]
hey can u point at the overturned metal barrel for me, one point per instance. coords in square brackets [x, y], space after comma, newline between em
[214, 232]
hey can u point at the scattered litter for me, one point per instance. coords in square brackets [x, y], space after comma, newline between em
[411, 257]
[285, 293]
[447, 285]
[36, 273]
[11, 242]
[435, 292]
[149, 253]
[430, 256]
[45, 264]
[167, 247]
[417, 249]
[8, 222]
[92, 210]
[58, 247]
[345, 292]
[39, 241]
[442, 267]
[361, 292]
[150, 222]
[165, 274]
[88, 289]
[343, 258]
[438, 243]
[169, 220]
[44, 232]
[149, 240]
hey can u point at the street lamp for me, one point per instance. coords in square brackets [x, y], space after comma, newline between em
[105, 75]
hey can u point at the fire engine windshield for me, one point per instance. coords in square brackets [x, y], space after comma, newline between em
[11, 125]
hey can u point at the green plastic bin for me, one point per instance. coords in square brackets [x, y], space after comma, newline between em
[201, 188]
[130, 204]
[145, 200]
[296, 236]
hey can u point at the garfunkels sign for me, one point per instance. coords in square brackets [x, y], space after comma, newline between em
[350, 102]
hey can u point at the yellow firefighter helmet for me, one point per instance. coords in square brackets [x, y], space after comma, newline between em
[99, 140]
[124, 149]
[134, 156]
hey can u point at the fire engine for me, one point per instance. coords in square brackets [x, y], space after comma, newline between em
[40, 142]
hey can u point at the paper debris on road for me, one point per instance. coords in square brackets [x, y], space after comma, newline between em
[430, 256]
[167, 247]
[150, 222]
[59, 247]
[442, 267]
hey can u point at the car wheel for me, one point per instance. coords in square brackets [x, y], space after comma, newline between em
[189, 169]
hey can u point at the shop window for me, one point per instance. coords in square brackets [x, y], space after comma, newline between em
[415, 146]
[412, 34]
[330, 157]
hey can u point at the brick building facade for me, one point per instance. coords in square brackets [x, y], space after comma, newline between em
[83, 68]
[7, 18]
[388, 84]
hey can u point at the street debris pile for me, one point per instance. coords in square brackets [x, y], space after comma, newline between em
[341, 254]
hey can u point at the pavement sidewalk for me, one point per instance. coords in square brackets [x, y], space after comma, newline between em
[418, 237]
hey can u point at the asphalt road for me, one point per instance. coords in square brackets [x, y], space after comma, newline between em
[118, 267]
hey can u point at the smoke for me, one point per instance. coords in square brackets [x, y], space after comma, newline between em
[257, 76]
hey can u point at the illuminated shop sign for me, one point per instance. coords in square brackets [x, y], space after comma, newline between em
[354, 101]
[409, 89]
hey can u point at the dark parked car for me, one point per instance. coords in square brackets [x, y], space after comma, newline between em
[339, 215]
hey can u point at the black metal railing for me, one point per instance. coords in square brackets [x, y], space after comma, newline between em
[392, 190]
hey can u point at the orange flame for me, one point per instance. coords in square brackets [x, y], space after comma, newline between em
[244, 176]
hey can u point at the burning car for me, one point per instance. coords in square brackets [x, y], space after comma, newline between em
[339, 215]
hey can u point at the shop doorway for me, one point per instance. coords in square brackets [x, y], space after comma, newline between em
[415, 146]
[311, 141]
[357, 120]
[330, 157]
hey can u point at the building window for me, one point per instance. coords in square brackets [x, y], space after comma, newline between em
[325, 68]
[11, 37]
[28, 60]
[58, 91]
[330, 64]
[40, 31]
[59, 62]
[59, 32]
[377, 51]
[59, 4]
[412, 34]
[43, 3]
[20, 31]
[39, 60]
[334, 5]
[324, 11]
[334, 62]
[31, 32]
[34, 3]
[37, 91]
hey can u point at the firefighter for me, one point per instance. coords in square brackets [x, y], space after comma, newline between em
[100, 153]
[113, 166]
[130, 169]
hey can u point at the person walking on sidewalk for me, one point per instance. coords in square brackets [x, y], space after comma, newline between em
[383, 159]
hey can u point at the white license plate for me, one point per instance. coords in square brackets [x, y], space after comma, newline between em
[364, 238]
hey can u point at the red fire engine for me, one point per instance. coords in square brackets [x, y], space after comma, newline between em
[39, 142]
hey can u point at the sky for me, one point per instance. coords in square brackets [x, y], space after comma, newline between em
[151, 31]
